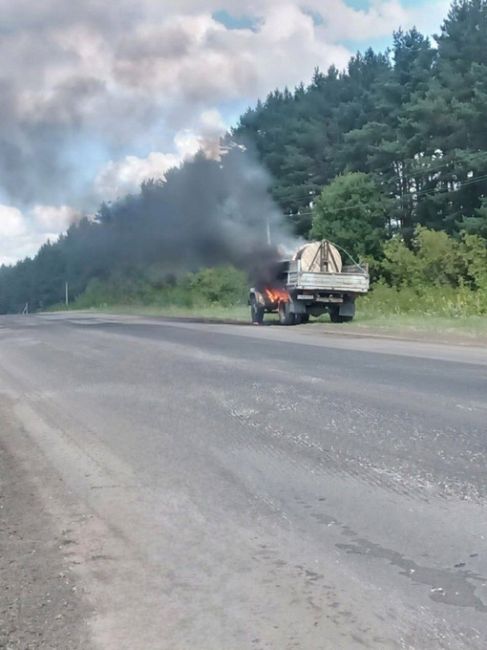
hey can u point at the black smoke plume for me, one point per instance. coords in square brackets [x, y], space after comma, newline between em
[206, 213]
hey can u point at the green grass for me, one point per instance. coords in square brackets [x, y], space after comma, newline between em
[218, 312]
[412, 325]
[432, 312]
[437, 311]
[212, 312]
[438, 327]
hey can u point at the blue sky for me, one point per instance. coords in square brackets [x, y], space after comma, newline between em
[430, 15]
[383, 42]
[234, 20]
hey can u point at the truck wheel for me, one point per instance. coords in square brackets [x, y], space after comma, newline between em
[285, 315]
[256, 312]
[304, 318]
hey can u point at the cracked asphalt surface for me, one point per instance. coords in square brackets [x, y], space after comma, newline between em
[217, 487]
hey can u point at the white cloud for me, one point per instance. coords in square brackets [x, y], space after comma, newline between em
[56, 219]
[379, 20]
[22, 234]
[11, 222]
[19, 247]
[151, 75]
[120, 177]
[126, 175]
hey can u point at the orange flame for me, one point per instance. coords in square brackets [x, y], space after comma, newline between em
[276, 295]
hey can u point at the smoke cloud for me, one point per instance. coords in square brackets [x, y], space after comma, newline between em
[206, 213]
[89, 83]
[96, 96]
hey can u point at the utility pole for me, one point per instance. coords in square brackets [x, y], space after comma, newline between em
[268, 230]
[66, 293]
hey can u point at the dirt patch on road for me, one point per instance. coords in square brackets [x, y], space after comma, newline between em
[40, 605]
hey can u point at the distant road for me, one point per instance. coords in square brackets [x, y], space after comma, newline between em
[218, 487]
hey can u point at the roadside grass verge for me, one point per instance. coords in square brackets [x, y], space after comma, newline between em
[412, 325]
[437, 328]
[433, 312]
[436, 311]
[236, 313]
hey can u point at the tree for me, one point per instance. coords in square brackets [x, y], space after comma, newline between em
[477, 224]
[394, 141]
[353, 212]
[445, 123]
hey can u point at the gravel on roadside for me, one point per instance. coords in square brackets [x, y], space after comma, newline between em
[40, 605]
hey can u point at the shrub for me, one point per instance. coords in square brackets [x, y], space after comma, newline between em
[436, 259]
[451, 302]
[224, 286]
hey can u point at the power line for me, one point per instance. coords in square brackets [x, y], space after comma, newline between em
[444, 165]
[470, 181]
[413, 195]
[412, 172]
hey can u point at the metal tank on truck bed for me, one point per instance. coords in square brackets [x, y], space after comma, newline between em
[313, 282]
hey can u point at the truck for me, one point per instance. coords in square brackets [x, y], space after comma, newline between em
[314, 281]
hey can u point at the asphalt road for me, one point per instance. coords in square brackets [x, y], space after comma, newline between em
[218, 487]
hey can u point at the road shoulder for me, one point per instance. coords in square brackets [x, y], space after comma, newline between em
[445, 331]
[40, 602]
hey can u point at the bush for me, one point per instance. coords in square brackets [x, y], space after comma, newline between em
[224, 286]
[437, 276]
[450, 302]
[436, 260]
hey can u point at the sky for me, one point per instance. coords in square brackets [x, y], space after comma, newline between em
[93, 99]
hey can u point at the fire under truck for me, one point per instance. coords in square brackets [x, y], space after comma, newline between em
[313, 282]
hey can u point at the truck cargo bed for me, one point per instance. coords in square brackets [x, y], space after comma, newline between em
[333, 282]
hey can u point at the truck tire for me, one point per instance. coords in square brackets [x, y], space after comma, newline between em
[304, 318]
[286, 317]
[256, 312]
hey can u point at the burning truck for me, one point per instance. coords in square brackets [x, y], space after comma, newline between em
[313, 282]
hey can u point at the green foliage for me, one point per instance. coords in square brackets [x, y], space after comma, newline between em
[439, 275]
[222, 286]
[436, 259]
[439, 258]
[415, 120]
[477, 224]
[353, 212]
[473, 252]
[396, 141]
[400, 266]
[424, 301]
